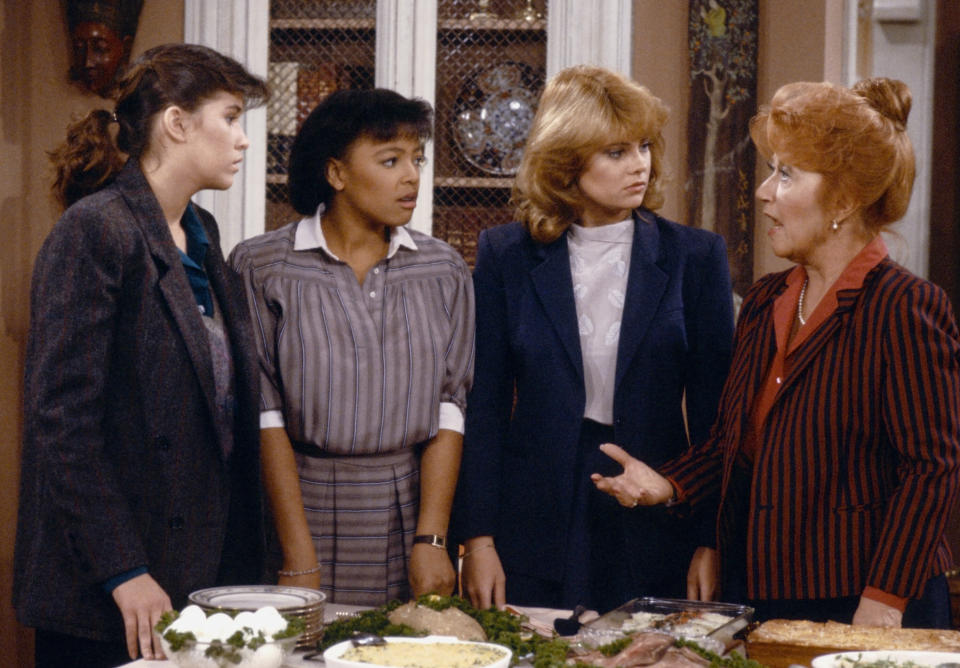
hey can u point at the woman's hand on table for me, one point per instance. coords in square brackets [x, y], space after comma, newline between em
[141, 601]
[431, 571]
[637, 485]
[484, 581]
[875, 613]
[702, 575]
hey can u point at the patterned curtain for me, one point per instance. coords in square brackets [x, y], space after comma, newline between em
[721, 157]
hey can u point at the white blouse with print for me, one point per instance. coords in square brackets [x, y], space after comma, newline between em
[599, 265]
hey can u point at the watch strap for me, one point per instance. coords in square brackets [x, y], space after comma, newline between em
[431, 539]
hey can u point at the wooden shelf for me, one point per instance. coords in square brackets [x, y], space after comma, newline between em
[322, 24]
[538, 25]
[472, 182]
[438, 182]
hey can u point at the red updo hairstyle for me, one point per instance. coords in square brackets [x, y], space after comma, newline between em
[855, 137]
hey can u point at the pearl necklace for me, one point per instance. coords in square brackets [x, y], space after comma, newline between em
[803, 292]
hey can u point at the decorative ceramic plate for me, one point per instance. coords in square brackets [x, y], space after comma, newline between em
[284, 599]
[493, 116]
[891, 658]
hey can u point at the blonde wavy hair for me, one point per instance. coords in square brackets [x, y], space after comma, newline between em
[855, 137]
[582, 109]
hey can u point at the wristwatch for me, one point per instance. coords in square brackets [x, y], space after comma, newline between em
[431, 539]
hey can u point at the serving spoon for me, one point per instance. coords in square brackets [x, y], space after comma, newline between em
[365, 639]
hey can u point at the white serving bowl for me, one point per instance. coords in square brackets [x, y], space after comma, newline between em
[331, 656]
[197, 654]
[918, 658]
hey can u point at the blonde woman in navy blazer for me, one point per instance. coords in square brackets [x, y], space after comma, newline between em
[837, 447]
[535, 530]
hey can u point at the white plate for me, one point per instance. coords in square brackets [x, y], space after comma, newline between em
[919, 658]
[331, 657]
[253, 597]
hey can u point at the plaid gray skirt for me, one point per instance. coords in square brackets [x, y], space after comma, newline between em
[362, 513]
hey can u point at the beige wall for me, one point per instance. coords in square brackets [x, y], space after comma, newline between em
[660, 63]
[36, 103]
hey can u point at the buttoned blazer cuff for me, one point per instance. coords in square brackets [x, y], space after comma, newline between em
[678, 496]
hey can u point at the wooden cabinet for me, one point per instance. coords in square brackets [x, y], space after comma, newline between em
[480, 63]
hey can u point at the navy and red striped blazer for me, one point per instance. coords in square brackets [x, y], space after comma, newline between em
[858, 461]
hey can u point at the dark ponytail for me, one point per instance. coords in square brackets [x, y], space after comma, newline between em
[185, 75]
[87, 160]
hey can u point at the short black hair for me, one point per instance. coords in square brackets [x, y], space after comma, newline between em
[338, 121]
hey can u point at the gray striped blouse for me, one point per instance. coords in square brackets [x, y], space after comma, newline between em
[359, 369]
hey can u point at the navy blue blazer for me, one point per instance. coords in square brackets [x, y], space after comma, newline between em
[123, 462]
[519, 460]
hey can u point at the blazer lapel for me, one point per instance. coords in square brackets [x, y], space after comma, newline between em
[554, 286]
[646, 284]
[755, 350]
[810, 349]
[173, 284]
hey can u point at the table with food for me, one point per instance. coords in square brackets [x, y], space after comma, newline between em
[274, 626]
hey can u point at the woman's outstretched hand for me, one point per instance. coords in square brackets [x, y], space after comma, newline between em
[637, 485]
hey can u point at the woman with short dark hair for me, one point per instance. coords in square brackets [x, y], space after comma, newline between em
[365, 332]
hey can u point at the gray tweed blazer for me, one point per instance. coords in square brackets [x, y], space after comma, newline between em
[123, 464]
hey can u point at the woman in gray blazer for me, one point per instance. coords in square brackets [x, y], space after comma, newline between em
[140, 476]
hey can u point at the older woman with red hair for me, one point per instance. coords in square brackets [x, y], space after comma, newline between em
[837, 445]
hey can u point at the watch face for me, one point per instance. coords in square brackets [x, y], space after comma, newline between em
[432, 539]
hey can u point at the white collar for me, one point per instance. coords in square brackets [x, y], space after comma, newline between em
[309, 236]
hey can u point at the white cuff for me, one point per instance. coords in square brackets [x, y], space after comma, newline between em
[270, 419]
[451, 417]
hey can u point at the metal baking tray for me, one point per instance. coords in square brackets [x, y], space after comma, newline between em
[670, 614]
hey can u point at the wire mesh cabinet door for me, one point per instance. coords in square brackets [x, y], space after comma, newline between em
[481, 63]
[316, 47]
[490, 69]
